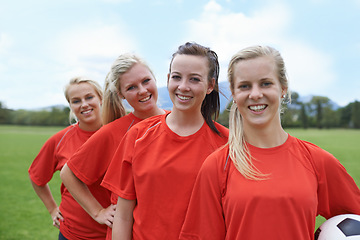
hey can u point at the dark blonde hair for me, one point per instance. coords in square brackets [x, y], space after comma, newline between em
[237, 146]
[210, 107]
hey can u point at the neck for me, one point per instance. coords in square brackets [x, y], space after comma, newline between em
[90, 127]
[267, 137]
[184, 124]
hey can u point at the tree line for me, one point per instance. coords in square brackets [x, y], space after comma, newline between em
[317, 112]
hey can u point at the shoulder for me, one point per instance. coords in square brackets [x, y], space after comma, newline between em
[68, 130]
[224, 131]
[217, 160]
[309, 148]
[318, 157]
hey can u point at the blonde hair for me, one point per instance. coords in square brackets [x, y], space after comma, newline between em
[238, 150]
[113, 107]
[78, 80]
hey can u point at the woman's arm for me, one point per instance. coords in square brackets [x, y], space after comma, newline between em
[123, 220]
[47, 198]
[84, 197]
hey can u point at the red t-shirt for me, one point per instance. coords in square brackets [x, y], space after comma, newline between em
[51, 158]
[92, 159]
[158, 168]
[304, 181]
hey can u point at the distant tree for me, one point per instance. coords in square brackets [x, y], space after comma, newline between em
[303, 117]
[355, 114]
[323, 111]
[5, 114]
[224, 116]
[345, 116]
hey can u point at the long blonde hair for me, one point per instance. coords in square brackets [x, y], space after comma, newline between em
[238, 150]
[113, 107]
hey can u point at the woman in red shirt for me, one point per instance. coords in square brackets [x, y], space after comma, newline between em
[155, 166]
[265, 184]
[131, 79]
[84, 97]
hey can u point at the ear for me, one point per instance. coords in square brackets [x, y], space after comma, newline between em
[283, 92]
[211, 86]
[168, 78]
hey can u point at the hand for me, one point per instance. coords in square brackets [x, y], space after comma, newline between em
[56, 217]
[106, 215]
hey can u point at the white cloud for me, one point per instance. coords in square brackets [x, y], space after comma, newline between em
[5, 42]
[91, 50]
[310, 71]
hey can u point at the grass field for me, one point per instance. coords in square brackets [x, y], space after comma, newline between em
[23, 215]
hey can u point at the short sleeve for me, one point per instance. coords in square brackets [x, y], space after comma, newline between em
[119, 176]
[204, 218]
[337, 191]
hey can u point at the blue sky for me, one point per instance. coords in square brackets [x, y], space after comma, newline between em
[45, 43]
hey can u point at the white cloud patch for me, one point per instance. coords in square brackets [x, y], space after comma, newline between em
[5, 42]
[310, 70]
[90, 50]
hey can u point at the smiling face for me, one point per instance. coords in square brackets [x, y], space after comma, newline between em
[85, 103]
[257, 92]
[188, 82]
[138, 87]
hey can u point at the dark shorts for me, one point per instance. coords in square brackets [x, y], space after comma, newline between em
[61, 237]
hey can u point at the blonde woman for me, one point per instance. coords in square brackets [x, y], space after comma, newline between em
[265, 184]
[84, 97]
[129, 78]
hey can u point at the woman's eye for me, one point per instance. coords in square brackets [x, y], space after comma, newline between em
[195, 79]
[146, 80]
[175, 77]
[75, 101]
[89, 97]
[266, 84]
[130, 88]
[244, 86]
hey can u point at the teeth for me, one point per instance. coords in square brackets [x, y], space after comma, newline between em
[145, 99]
[183, 97]
[257, 108]
[88, 111]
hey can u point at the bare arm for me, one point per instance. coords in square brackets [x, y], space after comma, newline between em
[123, 220]
[84, 197]
[47, 198]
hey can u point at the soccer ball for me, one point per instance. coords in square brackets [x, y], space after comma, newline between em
[341, 227]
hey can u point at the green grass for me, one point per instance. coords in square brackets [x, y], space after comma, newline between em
[23, 215]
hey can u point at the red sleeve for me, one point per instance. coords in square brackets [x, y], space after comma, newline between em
[119, 177]
[204, 219]
[337, 191]
[92, 159]
[45, 164]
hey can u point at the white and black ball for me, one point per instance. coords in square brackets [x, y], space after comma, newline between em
[341, 227]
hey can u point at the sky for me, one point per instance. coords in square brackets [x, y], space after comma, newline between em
[45, 43]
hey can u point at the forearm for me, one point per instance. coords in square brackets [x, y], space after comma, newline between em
[45, 196]
[80, 192]
[123, 220]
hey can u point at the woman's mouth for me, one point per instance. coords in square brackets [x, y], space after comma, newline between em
[145, 99]
[87, 111]
[182, 97]
[257, 108]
